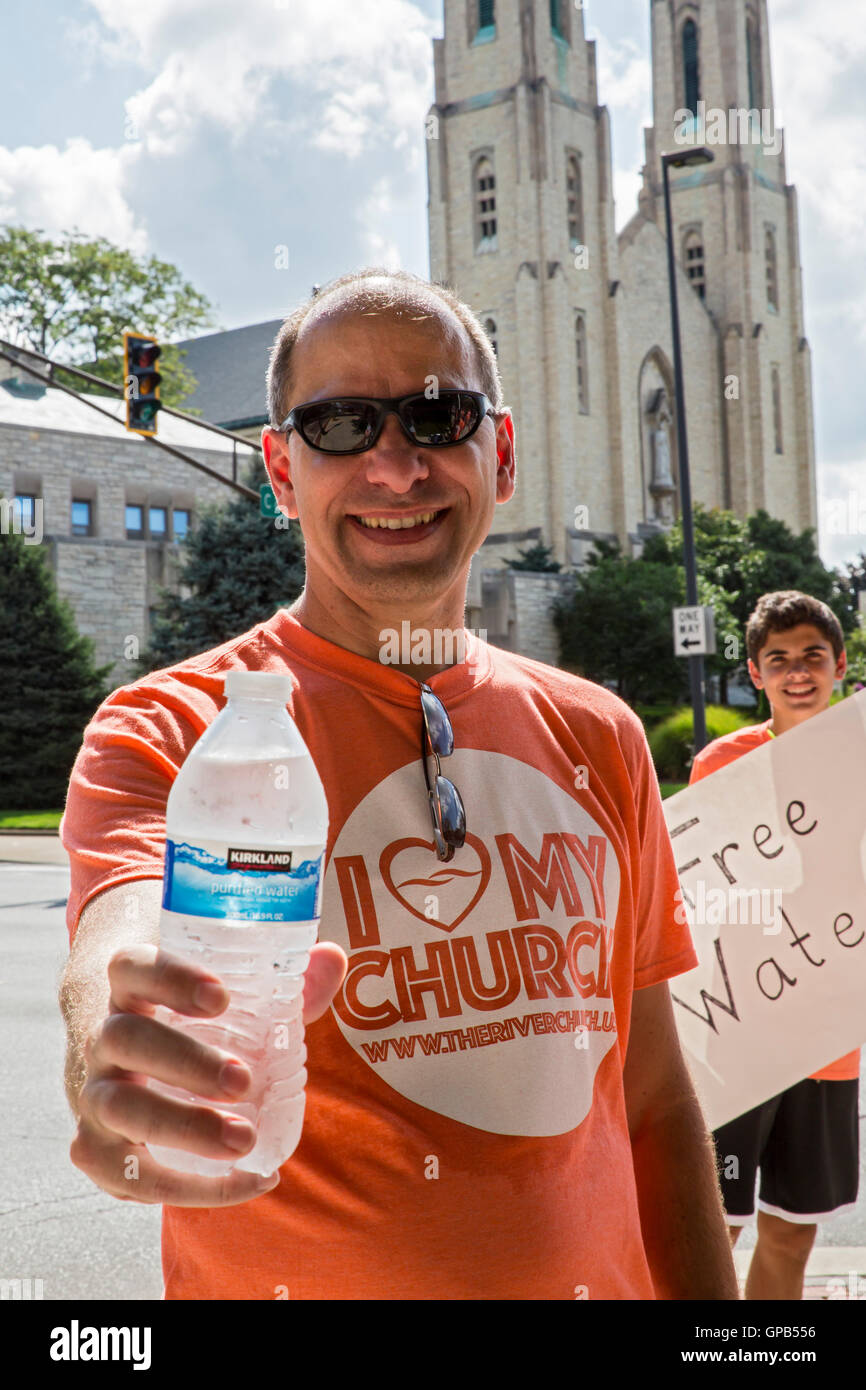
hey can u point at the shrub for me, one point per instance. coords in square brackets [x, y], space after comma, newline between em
[652, 715]
[671, 742]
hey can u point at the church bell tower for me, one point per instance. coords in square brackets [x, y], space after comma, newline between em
[736, 235]
[522, 227]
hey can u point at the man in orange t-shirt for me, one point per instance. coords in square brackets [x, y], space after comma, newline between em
[804, 1141]
[497, 1103]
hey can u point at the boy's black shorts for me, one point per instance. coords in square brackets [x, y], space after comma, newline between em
[805, 1141]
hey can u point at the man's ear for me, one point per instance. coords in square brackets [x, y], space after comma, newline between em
[506, 457]
[755, 674]
[275, 450]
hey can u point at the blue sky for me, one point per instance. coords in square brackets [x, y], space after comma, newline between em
[214, 135]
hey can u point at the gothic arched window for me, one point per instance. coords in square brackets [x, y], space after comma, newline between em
[491, 331]
[486, 14]
[574, 197]
[691, 85]
[777, 411]
[485, 205]
[693, 257]
[555, 17]
[753, 62]
[582, 364]
[772, 268]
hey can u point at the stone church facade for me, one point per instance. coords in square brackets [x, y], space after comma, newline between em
[521, 221]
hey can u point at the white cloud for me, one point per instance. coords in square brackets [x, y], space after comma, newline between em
[362, 69]
[374, 214]
[58, 190]
[627, 185]
[625, 78]
[818, 52]
[842, 511]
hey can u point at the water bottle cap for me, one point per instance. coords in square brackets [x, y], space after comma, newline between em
[258, 685]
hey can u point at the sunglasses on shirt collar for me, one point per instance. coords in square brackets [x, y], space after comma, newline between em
[353, 424]
[446, 805]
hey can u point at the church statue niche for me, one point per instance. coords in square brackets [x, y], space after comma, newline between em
[662, 485]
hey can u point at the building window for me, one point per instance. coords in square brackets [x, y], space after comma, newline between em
[582, 364]
[753, 62]
[157, 523]
[777, 411]
[485, 205]
[134, 523]
[82, 517]
[481, 17]
[24, 510]
[490, 330]
[574, 197]
[691, 83]
[693, 256]
[556, 18]
[772, 269]
[180, 523]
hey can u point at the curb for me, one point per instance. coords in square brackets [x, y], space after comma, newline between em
[12, 831]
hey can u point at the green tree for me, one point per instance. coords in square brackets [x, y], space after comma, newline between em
[615, 627]
[855, 649]
[538, 558]
[49, 686]
[72, 298]
[852, 582]
[746, 559]
[238, 568]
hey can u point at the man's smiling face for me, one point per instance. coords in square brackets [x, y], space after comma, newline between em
[797, 668]
[450, 494]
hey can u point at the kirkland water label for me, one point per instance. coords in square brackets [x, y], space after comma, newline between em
[261, 885]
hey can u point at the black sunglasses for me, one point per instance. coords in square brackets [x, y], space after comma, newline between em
[352, 424]
[446, 806]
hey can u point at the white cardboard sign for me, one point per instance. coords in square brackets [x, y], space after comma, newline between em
[771, 854]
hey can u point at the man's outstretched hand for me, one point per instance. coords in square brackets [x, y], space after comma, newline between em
[118, 1113]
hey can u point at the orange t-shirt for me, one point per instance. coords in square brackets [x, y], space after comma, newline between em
[718, 754]
[465, 1133]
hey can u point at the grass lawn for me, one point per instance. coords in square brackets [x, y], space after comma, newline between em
[30, 820]
[668, 788]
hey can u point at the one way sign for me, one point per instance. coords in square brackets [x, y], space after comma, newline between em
[694, 632]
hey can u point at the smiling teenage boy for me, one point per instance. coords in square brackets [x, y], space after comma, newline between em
[804, 1140]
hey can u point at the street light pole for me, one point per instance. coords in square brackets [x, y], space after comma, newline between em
[696, 663]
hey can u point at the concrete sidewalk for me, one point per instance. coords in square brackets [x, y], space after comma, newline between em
[833, 1272]
[32, 849]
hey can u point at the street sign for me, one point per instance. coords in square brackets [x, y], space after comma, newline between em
[694, 632]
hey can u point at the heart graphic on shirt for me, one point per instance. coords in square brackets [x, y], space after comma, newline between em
[410, 877]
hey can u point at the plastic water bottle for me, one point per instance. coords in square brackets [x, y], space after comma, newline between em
[246, 831]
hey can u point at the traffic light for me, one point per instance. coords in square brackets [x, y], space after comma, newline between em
[141, 382]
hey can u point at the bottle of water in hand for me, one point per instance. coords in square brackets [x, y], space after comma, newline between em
[246, 832]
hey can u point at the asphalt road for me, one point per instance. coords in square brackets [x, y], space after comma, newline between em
[55, 1225]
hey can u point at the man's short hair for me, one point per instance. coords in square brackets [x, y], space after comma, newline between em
[401, 292]
[788, 608]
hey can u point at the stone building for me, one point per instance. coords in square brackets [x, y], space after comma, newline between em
[110, 508]
[521, 220]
